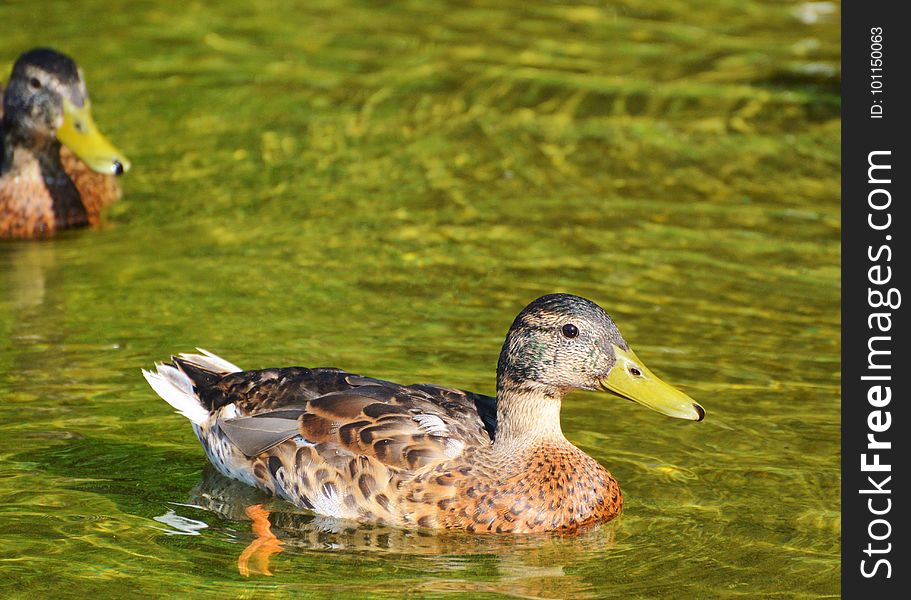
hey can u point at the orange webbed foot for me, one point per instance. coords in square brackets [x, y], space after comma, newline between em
[260, 549]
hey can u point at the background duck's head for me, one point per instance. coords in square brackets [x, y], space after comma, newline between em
[46, 100]
[562, 342]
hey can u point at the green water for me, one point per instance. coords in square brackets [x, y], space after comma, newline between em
[382, 187]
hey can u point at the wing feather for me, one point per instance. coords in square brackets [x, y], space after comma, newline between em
[255, 435]
[402, 427]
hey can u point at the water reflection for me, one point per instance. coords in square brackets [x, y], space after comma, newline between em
[24, 268]
[523, 565]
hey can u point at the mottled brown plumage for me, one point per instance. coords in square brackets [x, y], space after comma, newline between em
[44, 186]
[353, 447]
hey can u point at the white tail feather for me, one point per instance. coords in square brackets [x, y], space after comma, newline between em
[176, 389]
[210, 362]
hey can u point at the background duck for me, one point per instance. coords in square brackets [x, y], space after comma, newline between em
[353, 447]
[46, 186]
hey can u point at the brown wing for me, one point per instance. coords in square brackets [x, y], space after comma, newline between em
[403, 427]
[400, 426]
[254, 392]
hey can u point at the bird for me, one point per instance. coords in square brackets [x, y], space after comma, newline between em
[57, 171]
[426, 456]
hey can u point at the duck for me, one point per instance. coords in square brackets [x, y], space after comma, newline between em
[57, 171]
[426, 456]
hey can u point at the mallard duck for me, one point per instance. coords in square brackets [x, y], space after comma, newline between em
[354, 447]
[45, 187]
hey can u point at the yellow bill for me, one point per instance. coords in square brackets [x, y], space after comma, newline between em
[80, 134]
[631, 379]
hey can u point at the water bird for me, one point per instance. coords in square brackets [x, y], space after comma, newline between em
[355, 447]
[57, 170]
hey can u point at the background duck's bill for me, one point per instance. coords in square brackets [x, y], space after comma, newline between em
[80, 134]
[631, 379]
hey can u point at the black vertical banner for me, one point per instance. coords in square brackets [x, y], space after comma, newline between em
[876, 58]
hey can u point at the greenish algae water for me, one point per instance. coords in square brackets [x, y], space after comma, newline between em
[382, 187]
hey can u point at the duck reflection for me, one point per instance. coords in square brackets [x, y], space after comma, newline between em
[23, 269]
[528, 565]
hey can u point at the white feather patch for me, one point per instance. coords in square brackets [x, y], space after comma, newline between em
[176, 389]
[431, 424]
[327, 502]
[454, 447]
[211, 362]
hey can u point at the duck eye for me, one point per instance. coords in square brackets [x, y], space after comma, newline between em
[570, 330]
[34, 83]
[635, 372]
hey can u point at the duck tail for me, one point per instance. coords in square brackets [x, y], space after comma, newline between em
[184, 382]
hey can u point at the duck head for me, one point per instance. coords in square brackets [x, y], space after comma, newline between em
[562, 342]
[46, 101]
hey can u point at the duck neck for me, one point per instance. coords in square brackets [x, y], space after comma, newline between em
[21, 153]
[37, 163]
[7, 147]
[527, 413]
